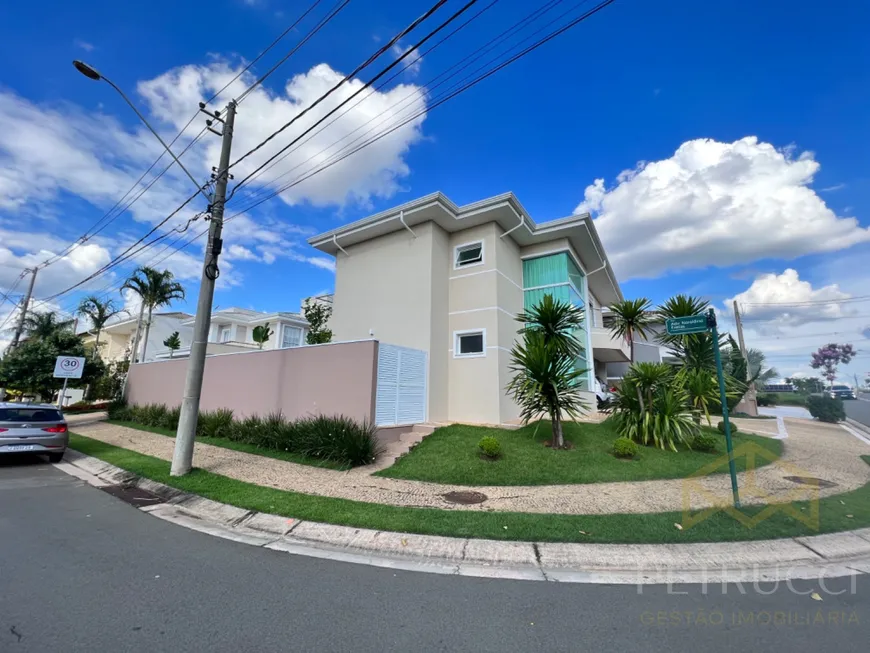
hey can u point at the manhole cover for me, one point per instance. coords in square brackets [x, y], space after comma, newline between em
[464, 497]
[810, 480]
[132, 495]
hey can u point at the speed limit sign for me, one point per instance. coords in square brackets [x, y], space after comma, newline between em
[69, 367]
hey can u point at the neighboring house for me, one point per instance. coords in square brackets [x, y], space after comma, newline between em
[116, 339]
[232, 330]
[446, 282]
[646, 350]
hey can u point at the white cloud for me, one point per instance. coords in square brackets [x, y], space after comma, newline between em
[831, 189]
[240, 253]
[413, 61]
[50, 150]
[719, 204]
[784, 300]
[373, 172]
[778, 322]
[84, 45]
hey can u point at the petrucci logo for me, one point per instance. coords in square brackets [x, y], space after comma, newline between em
[779, 500]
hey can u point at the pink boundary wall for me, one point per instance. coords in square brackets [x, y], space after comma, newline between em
[338, 378]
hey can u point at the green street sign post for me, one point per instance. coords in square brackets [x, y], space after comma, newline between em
[681, 326]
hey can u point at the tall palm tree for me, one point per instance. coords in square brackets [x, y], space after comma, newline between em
[694, 350]
[155, 289]
[44, 325]
[632, 317]
[98, 312]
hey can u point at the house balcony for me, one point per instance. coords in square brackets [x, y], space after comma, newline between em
[608, 348]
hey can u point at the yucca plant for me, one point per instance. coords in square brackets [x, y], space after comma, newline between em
[652, 408]
[545, 381]
[631, 318]
[215, 423]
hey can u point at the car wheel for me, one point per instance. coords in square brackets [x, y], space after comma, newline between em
[55, 457]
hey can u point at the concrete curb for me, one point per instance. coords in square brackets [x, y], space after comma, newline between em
[820, 556]
[859, 430]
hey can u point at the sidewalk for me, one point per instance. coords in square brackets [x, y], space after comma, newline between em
[822, 556]
[813, 449]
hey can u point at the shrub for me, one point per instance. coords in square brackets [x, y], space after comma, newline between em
[337, 438]
[826, 409]
[651, 411]
[765, 399]
[149, 414]
[721, 427]
[84, 407]
[624, 448]
[118, 410]
[215, 423]
[489, 447]
[171, 418]
[706, 442]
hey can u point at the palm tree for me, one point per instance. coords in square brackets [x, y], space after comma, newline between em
[44, 325]
[155, 289]
[98, 312]
[632, 317]
[694, 350]
[546, 378]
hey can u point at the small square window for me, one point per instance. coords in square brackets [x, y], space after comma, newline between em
[469, 254]
[470, 343]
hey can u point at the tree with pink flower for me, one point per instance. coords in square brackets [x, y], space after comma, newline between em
[829, 356]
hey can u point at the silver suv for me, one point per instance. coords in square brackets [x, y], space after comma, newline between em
[33, 428]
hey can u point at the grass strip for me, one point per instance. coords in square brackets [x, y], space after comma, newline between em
[289, 456]
[451, 455]
[841, 512]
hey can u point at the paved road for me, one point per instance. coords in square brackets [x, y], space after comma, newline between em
[859, 409]
[83, 571]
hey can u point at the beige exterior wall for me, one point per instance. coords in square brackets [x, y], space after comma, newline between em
[384, 285]
[439, 337]
[322, 379]
[112, 347]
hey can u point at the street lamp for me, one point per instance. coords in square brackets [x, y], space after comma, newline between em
[92, 73]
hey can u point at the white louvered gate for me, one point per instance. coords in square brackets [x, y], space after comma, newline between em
[401, 393]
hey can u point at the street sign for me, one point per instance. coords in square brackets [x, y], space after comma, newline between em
[69, 367]
[680, 326]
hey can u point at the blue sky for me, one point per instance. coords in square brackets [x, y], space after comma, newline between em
[773, 207]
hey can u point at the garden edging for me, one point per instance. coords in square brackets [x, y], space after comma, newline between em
[830, 555]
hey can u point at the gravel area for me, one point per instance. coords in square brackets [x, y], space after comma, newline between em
[812, 449]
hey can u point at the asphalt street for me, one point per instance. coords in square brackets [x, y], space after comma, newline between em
[859, 409]
[84, 571]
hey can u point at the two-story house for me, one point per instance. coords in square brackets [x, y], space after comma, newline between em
[447, 282]
[232, 330]
[117, 338]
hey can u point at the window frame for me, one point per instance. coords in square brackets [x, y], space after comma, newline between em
[229, 332]
[457, 335]
[465, 246]
[284, 328]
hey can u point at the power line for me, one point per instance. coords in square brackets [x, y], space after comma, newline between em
[323, 21]
[105, 220]
[373, 91]
[845, 300]
[445, 99]
[815, 318]
[351, 75]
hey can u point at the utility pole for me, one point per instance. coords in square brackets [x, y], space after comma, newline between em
[182, 458]
[24, 304]
[750, 393]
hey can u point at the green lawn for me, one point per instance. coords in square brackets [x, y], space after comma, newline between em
[450, 455]
[652, 528]
[239, 446]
